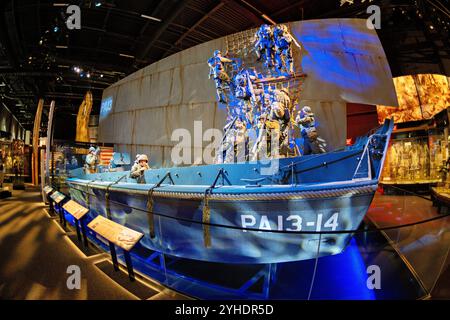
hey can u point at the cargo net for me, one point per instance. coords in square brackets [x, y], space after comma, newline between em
[259, 80]
[240, 47]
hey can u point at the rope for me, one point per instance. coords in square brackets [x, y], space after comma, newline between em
[313, 194]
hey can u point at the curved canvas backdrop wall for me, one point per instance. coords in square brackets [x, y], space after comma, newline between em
[343, 59]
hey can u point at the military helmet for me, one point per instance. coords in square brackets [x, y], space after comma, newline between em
[307, 110]
[142, 157]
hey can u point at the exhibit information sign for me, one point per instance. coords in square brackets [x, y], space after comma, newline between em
[75, 209]
[118, 234]
[48, 189]
[57, 197]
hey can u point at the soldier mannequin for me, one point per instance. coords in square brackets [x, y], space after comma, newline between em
[138, 169]
[92, 160]
[217, 70]
[264, 45]
[312, 143]
[283, 45]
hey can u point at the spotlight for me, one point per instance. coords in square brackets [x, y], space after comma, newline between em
[101, 76]
[98, 4]
[88, 75]
[55, 29]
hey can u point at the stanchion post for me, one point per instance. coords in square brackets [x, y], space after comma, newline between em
[83, 231]
[51, 208]
[112, 249]
[58, 208]
[129, 265]
[77, 226]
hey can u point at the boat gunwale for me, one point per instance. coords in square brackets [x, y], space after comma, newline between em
[336, 191]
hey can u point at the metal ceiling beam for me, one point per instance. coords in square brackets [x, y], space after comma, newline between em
[289, 8]
[211, 35]
[262, 18]
[227, 26]
[200, 21]
[158, 8]
[243, 8]
[175, 12]
[193, 28]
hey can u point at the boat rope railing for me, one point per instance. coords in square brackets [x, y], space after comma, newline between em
[88, 198]
[150, 203]
[206, 212]
[107, 206]
[353, 231]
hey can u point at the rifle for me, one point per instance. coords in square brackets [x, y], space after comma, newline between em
[227, 129]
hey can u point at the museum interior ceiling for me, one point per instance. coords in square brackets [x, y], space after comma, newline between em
[39, 56]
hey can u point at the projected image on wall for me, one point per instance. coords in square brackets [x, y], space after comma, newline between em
[106, 107]
[419, 96]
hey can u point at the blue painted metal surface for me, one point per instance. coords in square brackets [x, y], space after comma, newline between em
[326, 192]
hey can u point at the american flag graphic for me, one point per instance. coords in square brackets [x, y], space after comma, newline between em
[106, 154]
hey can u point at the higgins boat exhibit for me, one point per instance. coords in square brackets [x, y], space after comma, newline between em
[199, 149]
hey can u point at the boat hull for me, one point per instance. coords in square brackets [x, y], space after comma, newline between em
[241, 230]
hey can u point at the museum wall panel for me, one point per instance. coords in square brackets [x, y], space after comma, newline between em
[343, 59]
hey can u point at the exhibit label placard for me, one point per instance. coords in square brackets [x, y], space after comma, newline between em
[48, 189]
[57, 197]
[118, 234]
[75, 209]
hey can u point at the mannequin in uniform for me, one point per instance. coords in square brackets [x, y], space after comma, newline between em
[92, 160]
[312, 143]
[138, 169]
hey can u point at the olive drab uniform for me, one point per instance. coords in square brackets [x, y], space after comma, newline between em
[312, 142]
[264, 45]
[91, 163]
[221, 78]
[137, 172]
[283, 46]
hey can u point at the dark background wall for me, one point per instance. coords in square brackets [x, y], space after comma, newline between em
[360, 119]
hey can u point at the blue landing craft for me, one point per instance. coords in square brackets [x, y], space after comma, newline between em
[222, 212]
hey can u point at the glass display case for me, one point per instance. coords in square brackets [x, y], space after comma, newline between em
[14, 160]
[418, 153]
[413, 160]
[66, 156]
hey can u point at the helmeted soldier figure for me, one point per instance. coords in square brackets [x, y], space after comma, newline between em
[92, 160]
[221, 78]
[312, 142]
[244, 91]
[138, 169]
[283, 46]
[235, 144]
[264, 45]
[280, 113]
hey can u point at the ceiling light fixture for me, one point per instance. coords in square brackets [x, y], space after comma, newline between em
[126, 55]
[150, 17]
